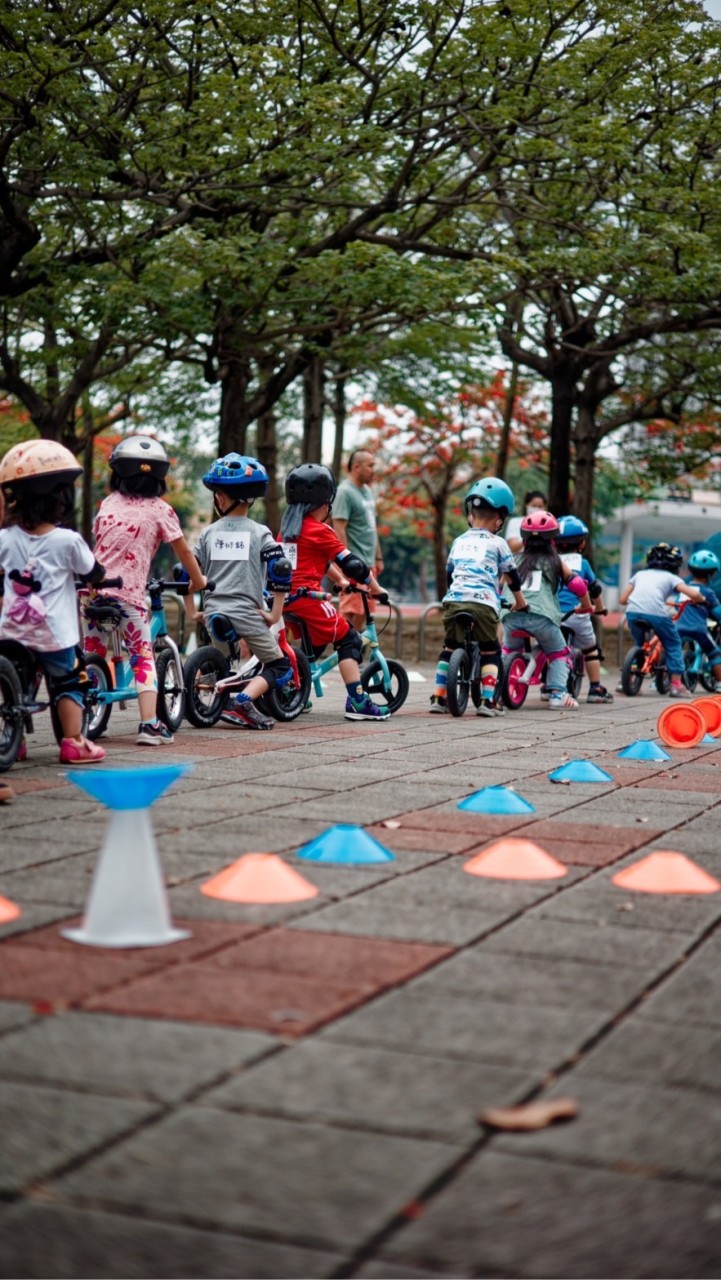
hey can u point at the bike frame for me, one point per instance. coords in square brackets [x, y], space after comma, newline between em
[124, 682]
[320, 667]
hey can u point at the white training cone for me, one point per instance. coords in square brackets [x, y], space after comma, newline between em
[127, 905]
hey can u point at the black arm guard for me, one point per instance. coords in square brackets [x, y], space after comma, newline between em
[97, 573]
[353, 567]
[280, 572]
[514, 580]
[595, 589]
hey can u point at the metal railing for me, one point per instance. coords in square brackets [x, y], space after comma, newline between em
[436, 607]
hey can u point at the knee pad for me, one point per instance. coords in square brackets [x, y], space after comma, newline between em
[595, 654]
[277, 673]
[351, 646]
[491, 657]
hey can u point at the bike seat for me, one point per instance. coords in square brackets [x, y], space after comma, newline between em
[108, 612]
[300, 631]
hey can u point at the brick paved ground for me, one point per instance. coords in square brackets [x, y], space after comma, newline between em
[294, 1091]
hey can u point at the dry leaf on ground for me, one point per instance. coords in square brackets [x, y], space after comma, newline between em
[531, 1115]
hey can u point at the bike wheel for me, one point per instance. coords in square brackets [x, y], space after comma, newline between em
[101, 681]
[514, 690]
[11, 722]
[690, 674]
[708, 680]
[632, 672]
[288, 703]
[203, 704]
[171, 689]
[476, 693]
[372, 681]
[662, 678]
[576, 674]
[459, 682]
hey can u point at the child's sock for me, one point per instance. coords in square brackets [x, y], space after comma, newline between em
[242, 699]
[488, 684]
[441, 688]
[355, 691]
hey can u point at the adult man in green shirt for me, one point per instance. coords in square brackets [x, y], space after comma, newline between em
[354, 520]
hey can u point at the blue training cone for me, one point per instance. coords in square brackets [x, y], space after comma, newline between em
[580, 771]
[644, 749]
[498, 800]
[707, 741]
[347, 845]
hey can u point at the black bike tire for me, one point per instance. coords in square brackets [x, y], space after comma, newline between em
[477, 693]
[708, 680]
[690, 678]
[166, 661]
[662, 679]
[96, 726]
[459, 680]
[211, 661]
[287, 704]
[576, 674]
[11, 729]
[372, 681]
[631, 677]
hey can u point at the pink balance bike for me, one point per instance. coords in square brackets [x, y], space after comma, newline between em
[521, 670]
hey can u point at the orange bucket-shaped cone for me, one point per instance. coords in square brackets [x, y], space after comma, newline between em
[259, 877]
[681, 725]
[512, 859]
[710, 709]
[666, 872]
[8, 911]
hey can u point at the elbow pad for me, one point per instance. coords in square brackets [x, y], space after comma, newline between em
[280, 573]
[514, 579]
[97, 573]
[595, 589]
[353, 567]
[576, 585]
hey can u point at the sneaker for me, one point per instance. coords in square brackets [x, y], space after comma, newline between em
[22, 753]
[153, 734]
[246, 716]
[365, 710]
[6, 793]
[545, 693]
[85, 752]
[597, 693]
[491, 710]
[678, 691]
[439, 706]
[562, 702]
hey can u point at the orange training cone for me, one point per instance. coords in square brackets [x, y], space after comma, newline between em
[666, 872]
[8, 911]
[259, 877]
[512, 859]
[681, 725]
[710, 709]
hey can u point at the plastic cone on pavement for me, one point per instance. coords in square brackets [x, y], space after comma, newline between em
[259, 877]
[512, 859]
[580, 771]
[8, 911]
[644, 749]
[681, 725]
[666, 872]
[708, 741]
[346, 845]
[497, 800]
[710, 709]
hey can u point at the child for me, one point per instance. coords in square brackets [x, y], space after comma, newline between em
[129, 528]
[241, 556]
[572, 535]
[646, 596]
[542, 571]
[317, 549]
[479, 561]
[40, 561]
[693, 623]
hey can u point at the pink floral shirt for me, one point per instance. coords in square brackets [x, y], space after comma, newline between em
[128, 532]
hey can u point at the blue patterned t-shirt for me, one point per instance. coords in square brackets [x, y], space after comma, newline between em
[476, 562]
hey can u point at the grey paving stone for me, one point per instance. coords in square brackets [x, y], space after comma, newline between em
[34, 915]
[383, 1269]
[375, 1089]
[507, 1214]
[591, 941]
[606, 904]
[42, 1128]
[66, 1242]
[157, 1061]
[683, 1057]
[643, 1127]
[306, 1182]
[689, 996]
[57, 882]
[13, 1015]
[405, 921]
[480, 1030]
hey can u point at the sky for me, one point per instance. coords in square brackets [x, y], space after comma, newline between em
[713, 7]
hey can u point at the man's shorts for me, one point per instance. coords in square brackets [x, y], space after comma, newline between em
[353, 603]
[324, 623]
[485, 624]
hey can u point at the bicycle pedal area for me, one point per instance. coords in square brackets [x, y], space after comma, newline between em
[295, 1088]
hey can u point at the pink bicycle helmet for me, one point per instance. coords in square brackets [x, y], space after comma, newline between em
[539, 524]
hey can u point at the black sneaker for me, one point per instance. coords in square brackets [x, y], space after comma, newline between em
[439, 706]
[246, 716]
[153, 734]
[597, 693]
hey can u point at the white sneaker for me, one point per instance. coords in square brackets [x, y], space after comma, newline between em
[490, 710]
[562, 702]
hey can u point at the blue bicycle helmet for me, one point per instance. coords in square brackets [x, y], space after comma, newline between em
[704, 560]
[234, 472]
[492, 495]
[571, 532]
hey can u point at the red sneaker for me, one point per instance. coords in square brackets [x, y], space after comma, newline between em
[72, 752]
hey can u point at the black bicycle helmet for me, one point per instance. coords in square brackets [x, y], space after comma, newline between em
[664, 556]
[311, 484]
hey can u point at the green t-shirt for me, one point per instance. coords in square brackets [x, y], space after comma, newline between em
[357, 505]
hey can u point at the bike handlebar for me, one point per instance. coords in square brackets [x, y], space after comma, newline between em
[82, 585]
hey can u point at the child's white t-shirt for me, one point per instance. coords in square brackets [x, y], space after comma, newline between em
[651, 589]
[40, 604]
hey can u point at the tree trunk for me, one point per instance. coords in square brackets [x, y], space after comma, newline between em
[585, 439]
[268, 455]
[508, 408]
[439, 543]
[339, 417]
[234, 380]
[559, 465]
[86, 515]
[313, 388]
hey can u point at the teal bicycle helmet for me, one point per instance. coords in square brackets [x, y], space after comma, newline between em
[246, 477]
[490, 495]
[705, 561]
